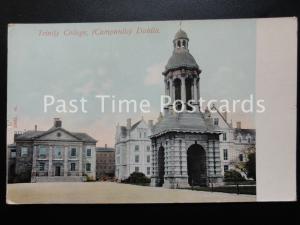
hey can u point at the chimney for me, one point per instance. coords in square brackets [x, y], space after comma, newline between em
[105, 146]
[225, 116]
[128, 124]
[57, 122]
[150, 123]
[239, 125]
[35, 127]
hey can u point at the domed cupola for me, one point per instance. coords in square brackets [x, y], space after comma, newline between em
[181, 58]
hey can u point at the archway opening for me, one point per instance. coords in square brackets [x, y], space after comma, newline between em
[188, 90]
[161, 166]
[177, 85]
[196, 164]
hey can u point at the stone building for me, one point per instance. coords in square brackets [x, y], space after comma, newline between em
[234, 141]
[54, 155]
[11, 163]
[133, 149]
[185, 145]
[105, 162]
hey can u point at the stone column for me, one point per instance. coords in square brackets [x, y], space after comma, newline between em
[66, 161]
[50, 160]
[80, 160]
[154, 165]
[183, 91]
[34, 156]
[198, 88]
[166, 87]
[195, 89]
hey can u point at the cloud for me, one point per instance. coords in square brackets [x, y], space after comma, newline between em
[93, 85]
[154, 76]
[87, 88]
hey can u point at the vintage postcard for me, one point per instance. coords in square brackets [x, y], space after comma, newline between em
[152, 112]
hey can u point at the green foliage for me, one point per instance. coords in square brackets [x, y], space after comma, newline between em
[250, 166]
[233, 176]
[137, 178]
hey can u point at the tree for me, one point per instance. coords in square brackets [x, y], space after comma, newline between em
[137, 178]
[233, 176]
[248, 167]
[251, 166]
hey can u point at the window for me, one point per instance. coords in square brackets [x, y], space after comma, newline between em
[88, 167]
[73, 152]
[178, 44]
[225, 168]
[145, 134]
[225, 154]
[42, 166]
[216, 121]
[241, 157]
[224, 137]
[13, 154]
[24, 151]
[88, 152]
[140, 134]
[136, 148]
[137, 158]
[148, 170]
[148, 148]
[58, 152]
[240, 139]
[42, 152]
[249, 140]
[136, 169]
[73, 166]
[58, 134]
[148, 158]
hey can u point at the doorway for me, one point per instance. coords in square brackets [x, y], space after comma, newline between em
[57, 170]
[196, 163]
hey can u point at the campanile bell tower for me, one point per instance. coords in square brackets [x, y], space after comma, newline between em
[185, 144]
[181, 75]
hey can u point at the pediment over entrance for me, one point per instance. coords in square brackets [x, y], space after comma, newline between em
[58, 135]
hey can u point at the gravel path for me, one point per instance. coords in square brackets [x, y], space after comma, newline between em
[108, 192]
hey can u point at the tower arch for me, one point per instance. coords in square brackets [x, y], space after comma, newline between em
[196, 165]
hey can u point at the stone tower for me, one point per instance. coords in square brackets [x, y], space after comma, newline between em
[185, 144]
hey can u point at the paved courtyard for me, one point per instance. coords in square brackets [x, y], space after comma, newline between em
[109, 192]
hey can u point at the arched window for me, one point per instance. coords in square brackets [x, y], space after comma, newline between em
[177, 85]
[178, 44]
[188, 90]
[183, 43]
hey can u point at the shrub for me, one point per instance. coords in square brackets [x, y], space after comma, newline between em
[233, 176]
[137, 178]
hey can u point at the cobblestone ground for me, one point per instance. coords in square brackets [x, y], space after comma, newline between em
[108, 192]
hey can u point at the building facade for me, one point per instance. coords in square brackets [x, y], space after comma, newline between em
[105, 162]
[234, 141]
[54, 155]
[185, 144]
[133, 149]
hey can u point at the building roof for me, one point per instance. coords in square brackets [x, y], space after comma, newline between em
[181, 34]
[32, 135]
[244, 132]
[104, 149]
[181, 58]
[184, 122]
[135, 125]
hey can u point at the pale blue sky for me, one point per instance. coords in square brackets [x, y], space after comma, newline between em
[127, 66]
